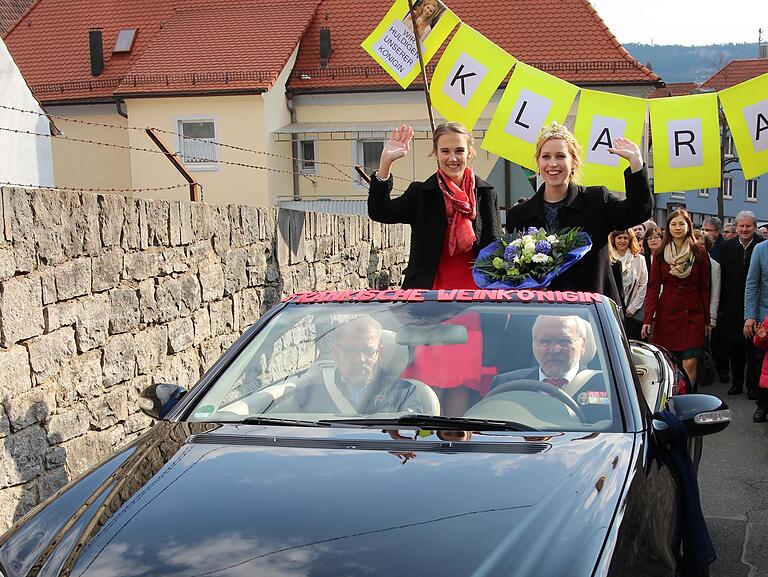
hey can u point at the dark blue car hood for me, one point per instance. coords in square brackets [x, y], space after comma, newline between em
[199, 500]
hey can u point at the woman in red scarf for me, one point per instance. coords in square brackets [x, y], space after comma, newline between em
[452, 215]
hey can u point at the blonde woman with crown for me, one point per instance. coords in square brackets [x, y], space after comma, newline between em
[561, 202]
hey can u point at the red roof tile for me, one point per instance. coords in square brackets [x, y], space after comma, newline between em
[735, 72]
[674, 89]
[10, 13]
[181, 46]
[568, 39]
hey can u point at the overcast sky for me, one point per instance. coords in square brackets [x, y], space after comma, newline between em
[684, 21]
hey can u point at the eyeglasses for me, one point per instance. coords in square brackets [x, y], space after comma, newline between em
[367, 352]
[560, 343]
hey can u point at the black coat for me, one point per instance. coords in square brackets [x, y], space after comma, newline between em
[734, 266]
[423, 207]
[598, 213]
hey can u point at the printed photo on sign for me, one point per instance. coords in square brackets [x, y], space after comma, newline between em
[604, 131]
[528, 116]
[685, 143]
[427, 13]
[466, 75]
[757, 123]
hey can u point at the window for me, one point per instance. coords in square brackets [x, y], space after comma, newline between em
[368, 154]
[751, 186]
[728, 145]
[678, 194]
[197, 147]
[727, 187]
[125, 40]
[704, 192]
[307, 157]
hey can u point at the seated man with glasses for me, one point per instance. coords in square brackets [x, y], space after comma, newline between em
[355, 383]
[559, 346]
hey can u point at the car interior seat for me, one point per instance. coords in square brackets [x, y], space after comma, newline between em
[393, 359]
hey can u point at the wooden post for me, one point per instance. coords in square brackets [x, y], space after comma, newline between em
[423, 68]
[194, 187]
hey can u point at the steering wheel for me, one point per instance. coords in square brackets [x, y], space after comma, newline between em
[540, 387]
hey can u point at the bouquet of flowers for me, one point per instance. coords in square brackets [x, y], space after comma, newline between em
[529, 259]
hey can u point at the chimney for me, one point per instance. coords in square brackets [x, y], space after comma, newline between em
[325, 46]
[97, 51]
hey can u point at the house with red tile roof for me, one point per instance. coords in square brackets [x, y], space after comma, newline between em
[239, 89]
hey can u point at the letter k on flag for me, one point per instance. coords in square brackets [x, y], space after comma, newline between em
[470, 71]
[685, 132]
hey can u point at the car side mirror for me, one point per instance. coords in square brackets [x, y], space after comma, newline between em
[158, 399]
[700, 414]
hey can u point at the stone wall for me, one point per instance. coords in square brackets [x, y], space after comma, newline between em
[102, 295]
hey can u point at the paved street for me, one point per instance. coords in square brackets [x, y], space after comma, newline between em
[733, 479]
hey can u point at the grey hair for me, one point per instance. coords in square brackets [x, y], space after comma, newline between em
[746, 214]
[581, 324]
[714, 221]
[360, 325]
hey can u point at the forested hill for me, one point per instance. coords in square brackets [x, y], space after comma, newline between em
[675, 63]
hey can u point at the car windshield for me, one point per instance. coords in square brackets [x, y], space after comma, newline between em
[539, 366]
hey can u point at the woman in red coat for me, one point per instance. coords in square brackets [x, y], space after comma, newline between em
[677, 299]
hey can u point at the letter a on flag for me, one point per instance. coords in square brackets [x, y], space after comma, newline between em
[601, 118]
[686, 142]
[467, 75]
[393, 43]
[746, 109]
[531, 100]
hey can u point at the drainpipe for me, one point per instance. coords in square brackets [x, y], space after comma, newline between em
[294, 147]
[120, 110]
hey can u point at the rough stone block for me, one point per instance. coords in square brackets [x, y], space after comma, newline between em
[109, 409]
[55, 457]
[168, 296]
[21, 309]
[151, 346]
[200, 252]
[15, 502]
[181, 333]
[235, 274]
[87, 450]
[68, 425]
[202, 323]
[157, 222]
[119, 361]
[137, 422]
[23, 227]
[191, 294]
[29, 407]
[173, 260]
[15, 371]
[174, 223]
[51, 481]
[92, 324]
[81, 378]
[49, 352]
[222, 320]
[73, 278]
[236, 232]
[249, 216]
[24, 459]
[143, 265]
[181, 369]
[111, 218]
[202, 220]
[185, 219]
[212, 281]
[124, 313]
[106, 270]
[222, 241]
[87, 223]
[250, 307]
[48, 281]
[7, 262]
[147, 301]
[5, 425]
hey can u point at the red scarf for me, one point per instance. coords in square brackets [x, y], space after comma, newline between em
[459, 210]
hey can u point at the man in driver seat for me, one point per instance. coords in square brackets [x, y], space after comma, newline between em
[357, 384]
[559, 344]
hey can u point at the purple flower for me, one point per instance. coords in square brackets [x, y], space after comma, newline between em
[532, 230]
[509, 253]
[543, 247]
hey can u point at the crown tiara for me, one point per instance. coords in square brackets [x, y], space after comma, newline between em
[554, 130]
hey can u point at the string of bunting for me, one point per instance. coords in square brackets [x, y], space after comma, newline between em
[334, 165]
[346, 180]
[686, 129]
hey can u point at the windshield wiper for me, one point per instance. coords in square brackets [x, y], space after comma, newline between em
[436, 422]
[282, 422]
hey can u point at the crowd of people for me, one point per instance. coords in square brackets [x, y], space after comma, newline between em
[685, 289]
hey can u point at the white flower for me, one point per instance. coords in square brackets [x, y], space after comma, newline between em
[538, 257]
[518, 242]
[516, 259]
[552, 239]
[527, 238]
[529, 248]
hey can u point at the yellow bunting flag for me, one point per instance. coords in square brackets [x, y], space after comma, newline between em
[746, 109]
[601, 118]
[531, 100]
[393, 44]
[467, 75]
[686, 142]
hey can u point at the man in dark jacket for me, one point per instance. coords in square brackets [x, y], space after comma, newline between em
[713, 227]
[737, 351]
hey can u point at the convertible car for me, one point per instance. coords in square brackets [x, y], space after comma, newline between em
[402, 432]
